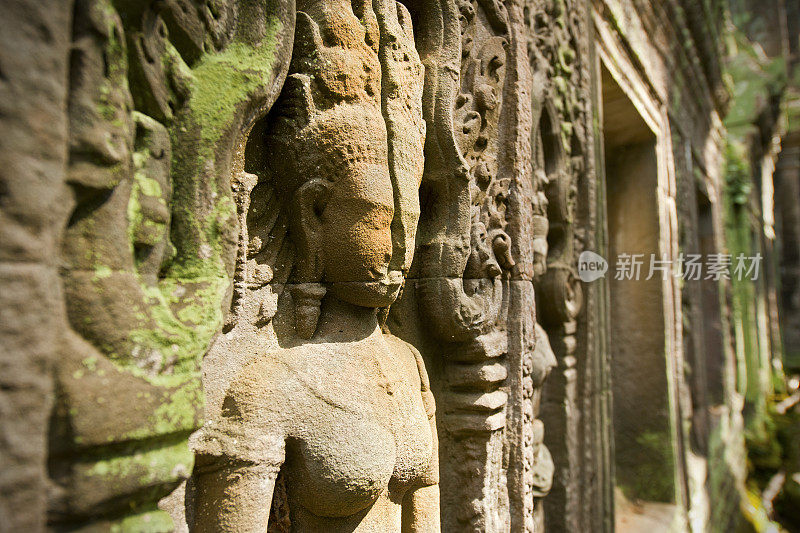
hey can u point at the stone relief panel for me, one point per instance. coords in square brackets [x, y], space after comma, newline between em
[565, 222]
[318, 418]
[462, 264]
[161, 98]
[253, 183]
[469, 301]
[276, 264]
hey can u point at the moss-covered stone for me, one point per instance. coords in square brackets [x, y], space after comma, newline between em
[655, 478]
[149, 254]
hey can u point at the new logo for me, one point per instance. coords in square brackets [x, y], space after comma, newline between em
[591, 267]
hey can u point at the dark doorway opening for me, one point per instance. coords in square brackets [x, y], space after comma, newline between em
[644, 457]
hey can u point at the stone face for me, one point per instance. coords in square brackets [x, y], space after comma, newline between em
[147, 255]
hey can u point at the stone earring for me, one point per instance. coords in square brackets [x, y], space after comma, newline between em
[309, 201]
[307, 301]
[307, 294]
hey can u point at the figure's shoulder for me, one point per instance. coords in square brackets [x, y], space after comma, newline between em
[413, 357]
[265, 386]
[255, 415]
[406, 353]
[262, 371]
[401, 347]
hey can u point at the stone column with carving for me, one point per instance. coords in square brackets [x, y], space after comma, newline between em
[469, 303]
[563, 176]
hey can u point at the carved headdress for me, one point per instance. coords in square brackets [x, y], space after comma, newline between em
[351, 105]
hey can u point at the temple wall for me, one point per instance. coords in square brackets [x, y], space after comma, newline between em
[296, 265]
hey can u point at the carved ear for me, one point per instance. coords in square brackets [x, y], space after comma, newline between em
[296, 102]
[309, 203]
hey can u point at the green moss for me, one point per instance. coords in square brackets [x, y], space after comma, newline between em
[753, 80]
[90, 363]
[178, 412]
[193, 288]
[155, 471]
[178, 318]
[738, 192]
[153, 521]
[101, 272]
[184, 335]
[221, 84]
[149, 187]
[223, 81]
[738, 175]
[135, 216]
[654, 479]
[157, 465]
[743, 307]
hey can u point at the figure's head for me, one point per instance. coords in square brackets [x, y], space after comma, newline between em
[343, 206]
[349, 162]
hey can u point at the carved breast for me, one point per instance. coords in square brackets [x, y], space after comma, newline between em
[366, 432]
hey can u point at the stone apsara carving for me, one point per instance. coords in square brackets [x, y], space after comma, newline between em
[327, 422]
[274, 246]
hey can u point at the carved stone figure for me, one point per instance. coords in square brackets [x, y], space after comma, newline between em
[212, 238]
[162, 96]
[329, 421]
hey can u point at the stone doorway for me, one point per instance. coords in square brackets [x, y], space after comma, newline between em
[644, 458]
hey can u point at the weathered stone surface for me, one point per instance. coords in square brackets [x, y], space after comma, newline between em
[147, 254]
[34, 38]
[328, 418]
[311, 265]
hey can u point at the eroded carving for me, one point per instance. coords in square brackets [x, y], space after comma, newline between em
[282, 248]
[162, 96]
[465, 259]
[559, 141]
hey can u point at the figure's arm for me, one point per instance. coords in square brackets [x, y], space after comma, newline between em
[239, 452]
[234, 478]
[421, 505]
[232, 497]
[421, 510]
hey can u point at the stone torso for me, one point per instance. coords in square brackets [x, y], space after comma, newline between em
[366, 437]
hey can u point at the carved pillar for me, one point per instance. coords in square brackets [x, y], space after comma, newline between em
[471, 286]
[565, 218]
[559, 302]
[465, 261]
